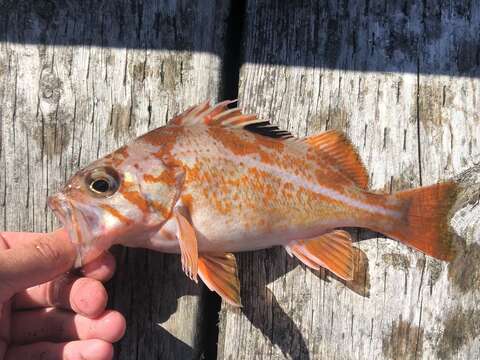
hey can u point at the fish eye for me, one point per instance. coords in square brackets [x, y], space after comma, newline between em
[100, 185]
[103, 182]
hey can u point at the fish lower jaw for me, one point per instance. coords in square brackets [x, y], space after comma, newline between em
[78, 260]
[86, 255]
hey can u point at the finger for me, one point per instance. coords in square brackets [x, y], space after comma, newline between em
[101, 268]
[4, 314]
[3, 242]
[74, 350]
[20, 239]
[3, 348]
[41, 259]
[4, 326]
[58, 325]
[85, 296]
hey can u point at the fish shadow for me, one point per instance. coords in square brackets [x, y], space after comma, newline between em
[263, 310]
[149, 302]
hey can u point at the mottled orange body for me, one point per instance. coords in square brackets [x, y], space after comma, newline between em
[215, 181]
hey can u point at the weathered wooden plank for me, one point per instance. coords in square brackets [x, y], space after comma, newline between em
[77, 80]
[400, 78]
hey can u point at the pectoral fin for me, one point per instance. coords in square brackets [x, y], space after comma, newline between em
[188, 242]
[219, 273]
[332, 251]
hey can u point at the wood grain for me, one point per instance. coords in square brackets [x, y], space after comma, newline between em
[81, 78]
[400, 79]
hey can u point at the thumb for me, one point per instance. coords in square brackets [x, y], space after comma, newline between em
[34, 261]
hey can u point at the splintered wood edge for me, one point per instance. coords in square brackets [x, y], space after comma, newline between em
[465, 213]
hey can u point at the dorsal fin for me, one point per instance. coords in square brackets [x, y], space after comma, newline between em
[332, 145]
[336, 148]
[222, 115]
[264, 128]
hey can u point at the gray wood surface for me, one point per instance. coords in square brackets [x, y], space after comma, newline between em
[401, 79]
[79, 79]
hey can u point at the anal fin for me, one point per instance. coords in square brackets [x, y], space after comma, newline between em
[219, 273]
[332, 251]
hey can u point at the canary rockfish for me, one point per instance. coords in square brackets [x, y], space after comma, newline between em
[215, 181]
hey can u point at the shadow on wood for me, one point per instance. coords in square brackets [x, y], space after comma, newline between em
[164, 327]
[277, 326]
[387, 37]
[264, 312]
[262, 308]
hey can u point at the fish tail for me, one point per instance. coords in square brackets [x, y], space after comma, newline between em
[425, 226]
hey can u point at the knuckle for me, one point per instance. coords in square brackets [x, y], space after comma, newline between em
[6, 292]
[47, 250]
[3, 242]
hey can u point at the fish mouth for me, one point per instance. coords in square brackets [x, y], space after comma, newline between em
[74, 222]
[59, 208]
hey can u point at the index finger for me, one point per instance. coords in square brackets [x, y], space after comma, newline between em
[33, 260]
[19, 239]
[3, 242]
[102, 268]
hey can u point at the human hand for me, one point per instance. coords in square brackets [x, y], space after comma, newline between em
[47, 314]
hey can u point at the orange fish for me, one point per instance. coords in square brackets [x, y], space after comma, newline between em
[214, 181]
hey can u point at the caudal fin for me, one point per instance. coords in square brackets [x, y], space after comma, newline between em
[426, 226]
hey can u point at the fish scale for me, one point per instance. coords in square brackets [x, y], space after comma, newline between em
[214, 181]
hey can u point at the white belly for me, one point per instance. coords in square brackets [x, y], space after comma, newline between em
[218, 236]
[209, 240]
